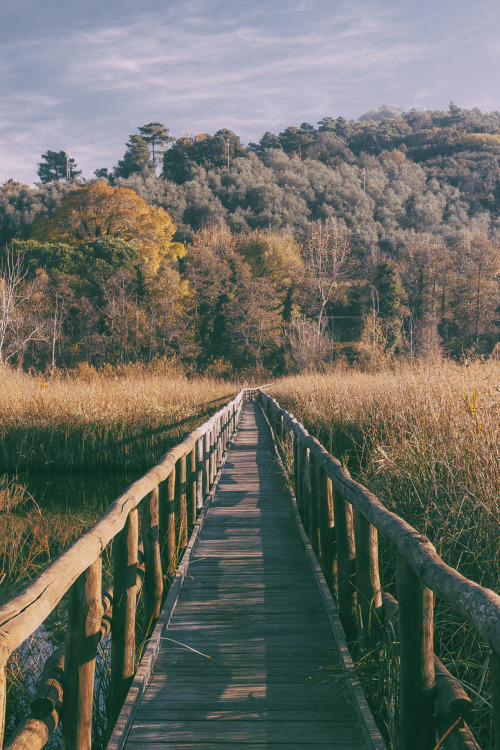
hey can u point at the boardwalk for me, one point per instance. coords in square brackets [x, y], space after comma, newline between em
[249, 659]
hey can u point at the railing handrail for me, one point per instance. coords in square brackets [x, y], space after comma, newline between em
[478, 604]
[24, 613]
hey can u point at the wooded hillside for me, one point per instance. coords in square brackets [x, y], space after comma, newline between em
[361, 240]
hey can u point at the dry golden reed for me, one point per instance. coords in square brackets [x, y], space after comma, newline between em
[76, 421]
[426, 439]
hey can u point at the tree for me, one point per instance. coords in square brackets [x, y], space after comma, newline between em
[156, 135]
[326, 254]
[183, 156]
[389, 301]
[55, 165]
[268, 140]
[327, 124]
[275, 258]
[135, 159]
[99, 211]
[17, 325]
[473, 295]
[295, 139]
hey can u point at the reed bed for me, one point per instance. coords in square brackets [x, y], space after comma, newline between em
[100, 420]
[426, 440]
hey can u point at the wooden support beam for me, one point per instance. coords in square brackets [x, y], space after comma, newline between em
[297, 473]
[211, 456]
[313, 491]
[416, 672]
[3, 698]
[191, 488]
[153, 576]
[369, 593]
[168, 511]
[346, 564]
[181, 501]
[124, 611]
[200, 489]
[206, 464]
[327, 542]
[82, 637]
[495, 695]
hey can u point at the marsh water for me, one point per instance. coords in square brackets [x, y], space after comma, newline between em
[87, 493]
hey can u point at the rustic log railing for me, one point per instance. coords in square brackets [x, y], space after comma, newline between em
[172, 493]
[343, 520]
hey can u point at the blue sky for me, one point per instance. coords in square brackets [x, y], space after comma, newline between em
[86, 74]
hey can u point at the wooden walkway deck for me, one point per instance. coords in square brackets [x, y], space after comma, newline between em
[249, 659]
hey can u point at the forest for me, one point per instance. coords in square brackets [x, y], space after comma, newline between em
[349, 241]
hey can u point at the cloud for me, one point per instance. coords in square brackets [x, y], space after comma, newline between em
[206, 65]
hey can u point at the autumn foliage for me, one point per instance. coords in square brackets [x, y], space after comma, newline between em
[100, 211]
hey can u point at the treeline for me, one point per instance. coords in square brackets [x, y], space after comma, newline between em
[359, 240]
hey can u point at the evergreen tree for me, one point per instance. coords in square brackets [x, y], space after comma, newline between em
[136, 158]
[157, 136]
[55, 167]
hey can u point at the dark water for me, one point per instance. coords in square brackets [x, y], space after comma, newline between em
[87, 493]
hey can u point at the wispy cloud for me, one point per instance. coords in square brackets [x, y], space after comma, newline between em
[212, 63]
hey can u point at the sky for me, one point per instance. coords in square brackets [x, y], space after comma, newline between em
[85, 75]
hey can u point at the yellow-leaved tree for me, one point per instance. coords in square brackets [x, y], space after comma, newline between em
[100, 211]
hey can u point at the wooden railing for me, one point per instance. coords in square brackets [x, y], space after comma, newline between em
[343, 520]
[172, 493]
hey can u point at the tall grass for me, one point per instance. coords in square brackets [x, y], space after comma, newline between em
[99, 420]
[426, 440]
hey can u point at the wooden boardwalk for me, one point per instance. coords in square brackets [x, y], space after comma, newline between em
[249, 659]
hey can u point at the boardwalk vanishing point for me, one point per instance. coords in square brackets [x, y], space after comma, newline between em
[250, 652]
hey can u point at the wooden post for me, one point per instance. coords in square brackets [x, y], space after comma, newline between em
[191, 488]
[326, 529]
[200, 489]
[206, 465]
[153, 576]
[218, 442]
[225, 431]
[182, 501]
[82, 637]
[416, 671]
[3, 697]
[346, 560]
[369, 593]
[305, 490]
[297, 473]
[125, 560]
[169, 514]
[495, 695]
[211, 462]
[312, 466]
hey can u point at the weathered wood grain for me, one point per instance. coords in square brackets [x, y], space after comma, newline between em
[82, 637]
[153, 580]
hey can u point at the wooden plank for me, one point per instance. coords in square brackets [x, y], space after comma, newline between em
[218, 731]
[241, 745]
